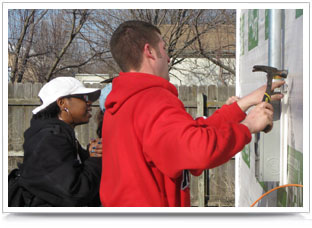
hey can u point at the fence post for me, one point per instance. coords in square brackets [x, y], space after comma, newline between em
[201, 178]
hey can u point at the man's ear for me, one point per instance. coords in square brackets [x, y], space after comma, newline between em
[149, 52]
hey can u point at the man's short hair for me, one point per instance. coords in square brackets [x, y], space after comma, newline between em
[128, 40]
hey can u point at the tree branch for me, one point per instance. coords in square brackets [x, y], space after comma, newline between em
[218, 63]
[75, 30]
[26, 55]
[19, 45]
[78, 65]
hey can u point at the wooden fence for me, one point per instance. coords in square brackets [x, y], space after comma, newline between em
[214, 187]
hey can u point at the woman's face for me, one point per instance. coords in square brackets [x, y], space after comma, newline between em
[77, 110]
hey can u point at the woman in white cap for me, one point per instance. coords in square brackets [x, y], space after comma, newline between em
[56, 170]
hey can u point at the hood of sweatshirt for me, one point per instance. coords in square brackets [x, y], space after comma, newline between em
[129, 84]
[37, 125]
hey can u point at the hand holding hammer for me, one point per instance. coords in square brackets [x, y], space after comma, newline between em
[264, 94]
[271, 73]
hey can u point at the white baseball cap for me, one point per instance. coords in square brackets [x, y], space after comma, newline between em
[61, 87]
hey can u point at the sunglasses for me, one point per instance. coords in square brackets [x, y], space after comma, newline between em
[83, 97]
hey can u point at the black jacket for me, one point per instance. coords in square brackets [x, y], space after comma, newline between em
[56, 170]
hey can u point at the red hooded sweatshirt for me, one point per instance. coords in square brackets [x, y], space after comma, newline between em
[150, 143]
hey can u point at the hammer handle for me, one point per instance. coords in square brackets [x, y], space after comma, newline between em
[266, 98]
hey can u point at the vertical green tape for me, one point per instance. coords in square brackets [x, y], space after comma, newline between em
[295, 176]
[246, 154]
[295, 166]
[253, 35]
[299, 12]
[281, 197]
[266, 24]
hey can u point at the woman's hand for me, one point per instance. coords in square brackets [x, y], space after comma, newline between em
[95, 147]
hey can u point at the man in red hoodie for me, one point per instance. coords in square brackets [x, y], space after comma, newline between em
[150, 143]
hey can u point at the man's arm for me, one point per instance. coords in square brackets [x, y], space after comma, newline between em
[226, 112]
[173, 141]
[256, 96]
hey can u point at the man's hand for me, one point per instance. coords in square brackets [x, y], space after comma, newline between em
[231, 100]
[259, 117]
[256, 96]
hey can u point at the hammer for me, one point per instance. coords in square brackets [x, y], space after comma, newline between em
[271, 73]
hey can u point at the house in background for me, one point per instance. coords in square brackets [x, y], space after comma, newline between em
[92, 78]
[199, 63]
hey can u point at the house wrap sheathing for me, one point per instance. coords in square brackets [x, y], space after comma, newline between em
[276, 158]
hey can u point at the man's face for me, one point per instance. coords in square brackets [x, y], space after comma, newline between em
[162, 60]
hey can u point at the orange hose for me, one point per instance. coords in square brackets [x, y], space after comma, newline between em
[283, 186]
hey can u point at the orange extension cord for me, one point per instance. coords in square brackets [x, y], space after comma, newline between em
[282, 186]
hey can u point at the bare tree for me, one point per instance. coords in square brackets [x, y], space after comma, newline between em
[17, 47]
[74, 31]
[215, 58]
[66, 42]
[211, 56]
[28, 46]
[41, 49]
[186, 32]
[20, 44]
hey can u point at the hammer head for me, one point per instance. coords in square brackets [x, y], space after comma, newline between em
[271, 71]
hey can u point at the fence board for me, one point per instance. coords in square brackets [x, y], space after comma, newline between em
[202, 90]
[192, 96]
[10, 128]
[211, 96]
[18, 90]
[232, 91]
[223, 94]
[27, 90]
[16, 128]
[212, 93]
[10, 90]
[183, 93]
[222, 185]
[35, 90]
